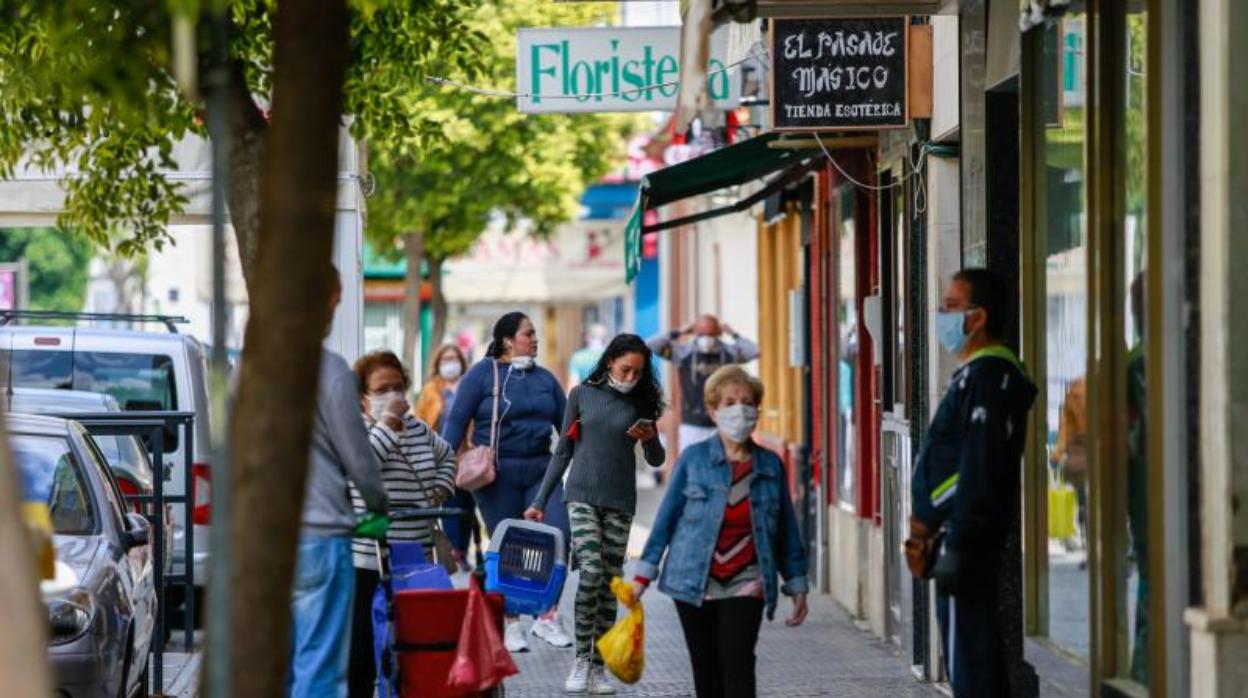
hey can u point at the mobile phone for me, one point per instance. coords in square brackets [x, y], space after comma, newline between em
[642, 423]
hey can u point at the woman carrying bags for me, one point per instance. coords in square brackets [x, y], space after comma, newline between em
[530, 405]
[607, 415]
[433, 405]
[727, 527]
[418, 468]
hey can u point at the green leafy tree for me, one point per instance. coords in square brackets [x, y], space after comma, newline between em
[435, 194]
[57, 264]
[88, 87]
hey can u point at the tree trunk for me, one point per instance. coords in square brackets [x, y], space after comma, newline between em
[23, 641]
[414, 252]
[439, 300]
[247, 137]
[290, 286]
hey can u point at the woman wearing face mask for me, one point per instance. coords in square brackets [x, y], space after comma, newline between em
[530, 410]
[433, 405]
[418, 468]
[607, 415]
[727, 527]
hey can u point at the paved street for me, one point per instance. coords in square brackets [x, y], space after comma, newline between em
[827, 656]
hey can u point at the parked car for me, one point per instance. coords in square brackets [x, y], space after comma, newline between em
[102, 611]
[126, 455]
[143, 371]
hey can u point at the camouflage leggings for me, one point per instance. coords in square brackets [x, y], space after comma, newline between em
[599, 542]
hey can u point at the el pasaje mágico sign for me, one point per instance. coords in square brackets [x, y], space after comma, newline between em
[611, 69]
[839, 73]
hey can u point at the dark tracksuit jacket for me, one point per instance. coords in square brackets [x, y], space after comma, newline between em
[967, 479]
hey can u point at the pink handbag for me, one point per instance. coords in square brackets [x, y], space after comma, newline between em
[477, 466]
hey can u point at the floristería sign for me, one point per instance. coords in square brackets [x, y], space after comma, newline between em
[612, 69]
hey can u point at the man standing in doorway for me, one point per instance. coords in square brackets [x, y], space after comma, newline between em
[695, 361]
[967, 482]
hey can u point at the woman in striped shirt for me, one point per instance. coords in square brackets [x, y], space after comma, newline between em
[418, 468]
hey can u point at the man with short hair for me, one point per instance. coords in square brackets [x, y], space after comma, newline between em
[695, 361]
[967, 481]
[324, 574]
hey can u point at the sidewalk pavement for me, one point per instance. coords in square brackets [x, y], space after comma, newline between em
[826, 656]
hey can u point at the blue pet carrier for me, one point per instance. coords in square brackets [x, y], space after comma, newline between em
[526, 564]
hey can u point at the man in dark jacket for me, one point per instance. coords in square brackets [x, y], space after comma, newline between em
[967, 483]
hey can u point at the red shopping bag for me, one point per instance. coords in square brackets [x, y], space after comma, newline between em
[481, 660]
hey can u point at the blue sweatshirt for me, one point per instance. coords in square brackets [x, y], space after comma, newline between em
[530, 410]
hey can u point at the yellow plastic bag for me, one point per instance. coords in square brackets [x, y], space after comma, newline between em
[623, 646]
[1063, 507]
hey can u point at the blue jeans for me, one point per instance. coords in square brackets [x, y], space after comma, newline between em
[321, 618]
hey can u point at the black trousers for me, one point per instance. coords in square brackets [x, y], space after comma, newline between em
[971, 632]
[721, 636]
[362, 669]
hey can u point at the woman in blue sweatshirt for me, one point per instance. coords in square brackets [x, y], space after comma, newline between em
[530, 413]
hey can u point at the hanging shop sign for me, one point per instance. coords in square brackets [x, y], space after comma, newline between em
[612, 69]
[839, 74]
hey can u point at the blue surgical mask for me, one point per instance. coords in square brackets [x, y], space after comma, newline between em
[949, 330]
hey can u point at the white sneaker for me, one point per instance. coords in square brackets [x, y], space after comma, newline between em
[513, 637]
[599, 685]
[551, 631]
[578, 680]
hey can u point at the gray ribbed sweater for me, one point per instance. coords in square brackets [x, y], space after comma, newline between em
[604, 473]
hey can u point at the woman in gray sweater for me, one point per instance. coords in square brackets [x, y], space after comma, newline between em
[606, 417]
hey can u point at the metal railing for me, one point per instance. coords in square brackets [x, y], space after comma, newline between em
[152, 427]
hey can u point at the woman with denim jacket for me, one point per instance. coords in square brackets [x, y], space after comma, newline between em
[728, 527]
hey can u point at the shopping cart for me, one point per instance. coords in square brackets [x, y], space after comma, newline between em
[422, 620]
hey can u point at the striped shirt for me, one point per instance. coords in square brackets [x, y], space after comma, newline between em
[415, 467]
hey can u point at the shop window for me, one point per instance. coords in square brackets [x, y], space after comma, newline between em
[1064, 395]
[847, 333]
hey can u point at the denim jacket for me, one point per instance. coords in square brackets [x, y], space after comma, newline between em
[688, 523]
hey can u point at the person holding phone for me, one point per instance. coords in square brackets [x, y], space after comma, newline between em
[613, 410]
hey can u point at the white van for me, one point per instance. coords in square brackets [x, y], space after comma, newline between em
[143, 371]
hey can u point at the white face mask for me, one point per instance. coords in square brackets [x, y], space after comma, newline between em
[706, 344]
[523, 363]
[737, 422]
[620, 386]
[450, 370]
[377, 403]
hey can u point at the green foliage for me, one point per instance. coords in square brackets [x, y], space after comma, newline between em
[473, 156]
[57, 262]
[88, 87]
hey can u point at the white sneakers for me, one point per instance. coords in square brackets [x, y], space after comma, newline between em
[578, 680]
[589, 679]
[513, 637]
[598, 684]
[550, 630]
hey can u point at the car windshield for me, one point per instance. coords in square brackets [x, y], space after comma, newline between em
[51, 475]
[33, 368]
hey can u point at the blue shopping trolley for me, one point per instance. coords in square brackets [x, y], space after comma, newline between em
[526, 563]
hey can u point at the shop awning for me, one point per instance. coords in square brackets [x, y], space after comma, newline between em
[736, 164]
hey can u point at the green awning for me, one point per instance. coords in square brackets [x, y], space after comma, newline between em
[719, 169]
[741, 162]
